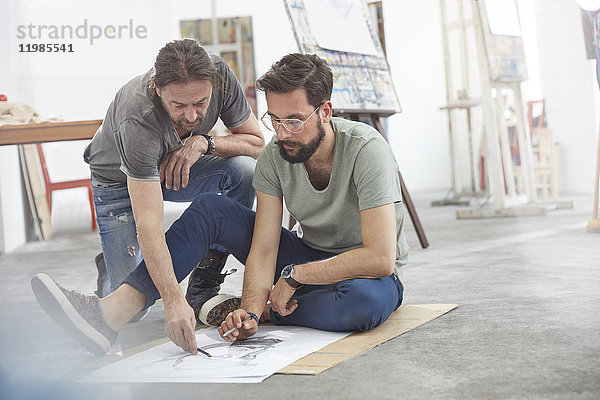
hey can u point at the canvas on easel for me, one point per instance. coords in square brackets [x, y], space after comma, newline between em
[503, 40]
[362, 82]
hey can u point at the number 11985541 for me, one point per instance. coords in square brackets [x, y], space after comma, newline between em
[46, 48]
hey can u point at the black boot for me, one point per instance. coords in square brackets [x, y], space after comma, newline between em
[210, 307]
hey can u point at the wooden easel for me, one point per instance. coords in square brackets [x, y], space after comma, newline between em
[495, 80]
[457, 101]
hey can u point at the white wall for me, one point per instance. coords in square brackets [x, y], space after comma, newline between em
[419, 135]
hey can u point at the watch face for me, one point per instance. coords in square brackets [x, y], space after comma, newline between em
[286, 272]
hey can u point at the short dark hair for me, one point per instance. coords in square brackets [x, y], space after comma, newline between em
[184, 60]
[299, 71]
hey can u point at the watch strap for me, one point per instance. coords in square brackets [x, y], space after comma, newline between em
[290, 280]
[211, 144]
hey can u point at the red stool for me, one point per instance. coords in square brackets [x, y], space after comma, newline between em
[52, 186]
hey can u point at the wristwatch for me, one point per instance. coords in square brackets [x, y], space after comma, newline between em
[211, 144]
[287, 273]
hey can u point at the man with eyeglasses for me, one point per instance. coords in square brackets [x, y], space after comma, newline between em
[341, 270]
[338, 271]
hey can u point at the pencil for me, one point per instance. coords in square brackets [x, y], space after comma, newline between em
[235, 328]
[203, 352]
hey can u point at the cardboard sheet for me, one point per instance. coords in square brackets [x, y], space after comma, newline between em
[404, 319]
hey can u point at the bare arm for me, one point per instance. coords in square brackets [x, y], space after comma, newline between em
[245, 140]
[375, 259]
[147, 205]
[260, 265]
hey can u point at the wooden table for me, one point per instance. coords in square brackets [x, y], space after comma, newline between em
[48, 132]
[40, 133]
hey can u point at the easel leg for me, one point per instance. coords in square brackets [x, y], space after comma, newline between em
[413, 214]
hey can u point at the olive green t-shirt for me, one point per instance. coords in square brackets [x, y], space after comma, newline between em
[364, 175]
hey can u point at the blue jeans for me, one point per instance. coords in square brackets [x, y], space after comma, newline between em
[230, 177]
[355, 304]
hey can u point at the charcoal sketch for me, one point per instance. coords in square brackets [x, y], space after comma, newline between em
[238, 354]
[250, 360]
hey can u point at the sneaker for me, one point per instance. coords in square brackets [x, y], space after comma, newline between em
[205, 280]
[102, 274]
[215, 310]
[80, 315]
[101, 281]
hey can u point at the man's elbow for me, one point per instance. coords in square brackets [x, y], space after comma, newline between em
[385, 264]
[260, 144]
[261, 141]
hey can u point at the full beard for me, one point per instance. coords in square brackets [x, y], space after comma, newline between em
[305, 151]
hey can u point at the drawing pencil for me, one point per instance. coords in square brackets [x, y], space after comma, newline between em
[203, 352]
[235, 328]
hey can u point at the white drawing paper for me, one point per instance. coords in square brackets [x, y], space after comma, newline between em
[246, 361]
[340, 25]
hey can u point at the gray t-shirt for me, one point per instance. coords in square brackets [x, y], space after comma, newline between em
[364, 175]
[137, 133]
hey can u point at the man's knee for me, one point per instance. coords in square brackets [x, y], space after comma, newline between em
[241, 170]
[241, 173]
[211, 204]
[244, 165]
[367, 307]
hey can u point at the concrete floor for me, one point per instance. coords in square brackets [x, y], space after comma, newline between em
[527, 326]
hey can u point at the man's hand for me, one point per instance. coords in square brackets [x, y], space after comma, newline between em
[180, 325]
[280, 298]
[235, 319]
[175, 168]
